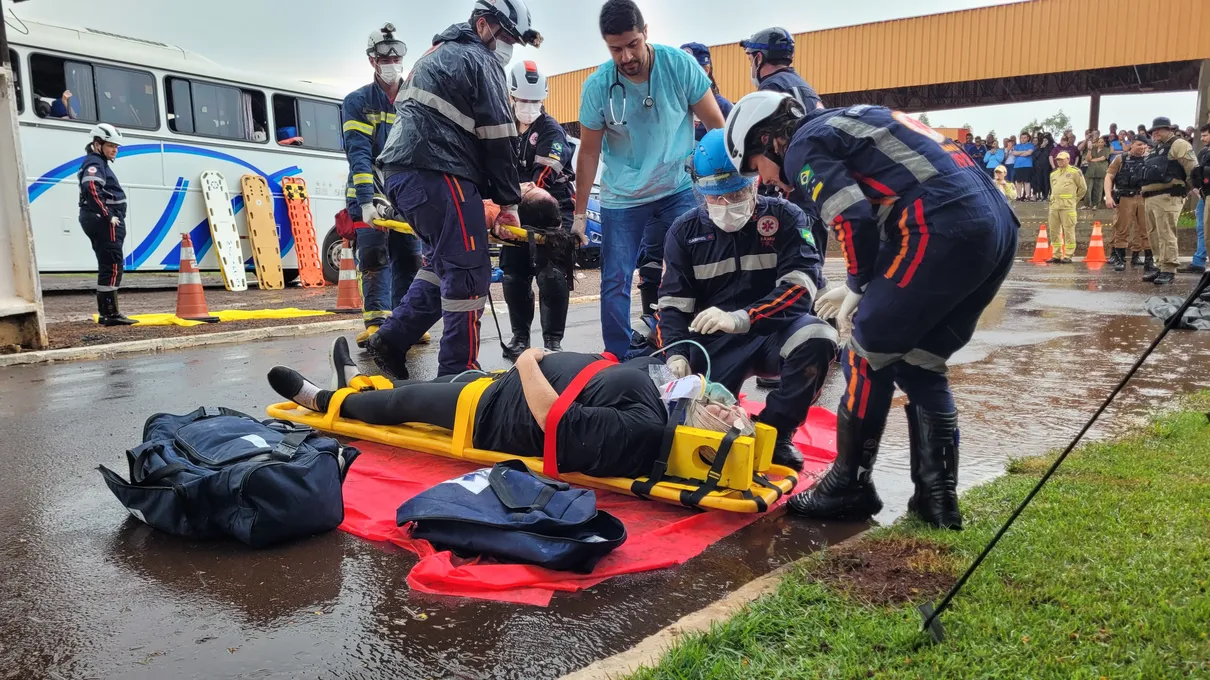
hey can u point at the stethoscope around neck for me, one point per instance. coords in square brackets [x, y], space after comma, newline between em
[648, 101]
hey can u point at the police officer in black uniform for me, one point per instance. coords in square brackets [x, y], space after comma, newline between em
[544, 158]
[103, 219]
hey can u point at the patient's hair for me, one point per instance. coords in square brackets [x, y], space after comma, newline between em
[539, 209]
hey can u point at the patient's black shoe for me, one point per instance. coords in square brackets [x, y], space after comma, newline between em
[343, 367]
[290, 384]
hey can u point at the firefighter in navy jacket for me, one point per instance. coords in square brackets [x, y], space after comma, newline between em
[386, 260]
[544, 158]
[927, 241]
[103, 219]
[452, 146]
[740, 275]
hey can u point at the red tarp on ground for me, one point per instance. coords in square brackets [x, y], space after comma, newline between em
[659, 535]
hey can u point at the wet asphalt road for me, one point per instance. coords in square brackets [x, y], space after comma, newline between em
[87, 592]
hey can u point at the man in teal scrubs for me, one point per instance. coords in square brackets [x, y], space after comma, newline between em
[636, 114]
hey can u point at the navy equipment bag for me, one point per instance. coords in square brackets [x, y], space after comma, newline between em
[218, 472]
[509, 513]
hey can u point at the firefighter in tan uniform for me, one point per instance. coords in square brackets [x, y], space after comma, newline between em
[1165, 184]
[1124, 191]
[1067, 189]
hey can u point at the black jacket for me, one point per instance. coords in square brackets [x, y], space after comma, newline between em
[544, 157]
[101, 195]
[453, 116]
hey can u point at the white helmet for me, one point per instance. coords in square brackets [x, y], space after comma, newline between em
[106, 133]
[513, 17]
[748, 113]
[525, 81]
[383, 43]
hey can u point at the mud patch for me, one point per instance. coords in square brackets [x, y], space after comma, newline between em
[888, 571]
[88, 333]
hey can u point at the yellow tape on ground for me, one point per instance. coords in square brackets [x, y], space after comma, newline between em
[225, 315]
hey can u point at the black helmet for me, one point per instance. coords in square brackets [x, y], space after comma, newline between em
[775, 43]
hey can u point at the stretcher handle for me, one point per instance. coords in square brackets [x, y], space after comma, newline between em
[395, 225]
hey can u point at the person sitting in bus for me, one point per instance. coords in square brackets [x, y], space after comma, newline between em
[288, 136]
[62, 108]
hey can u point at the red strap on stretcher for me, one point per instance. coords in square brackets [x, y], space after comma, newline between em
[550, 462]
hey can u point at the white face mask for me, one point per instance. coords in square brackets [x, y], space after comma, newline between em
[754, 72]
[390, 73]
[732, 218]
[527, 112]
[504, 52]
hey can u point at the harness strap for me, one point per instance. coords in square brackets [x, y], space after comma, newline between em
[290, 443]
[659, 468]
[495, 480]
[693, 498]
[550, 459]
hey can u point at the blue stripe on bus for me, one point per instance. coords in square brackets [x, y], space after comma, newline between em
[199, 234]
[160, 231]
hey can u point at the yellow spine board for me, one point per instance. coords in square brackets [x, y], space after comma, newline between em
[262, 232]
[737, 490]
[298, 204]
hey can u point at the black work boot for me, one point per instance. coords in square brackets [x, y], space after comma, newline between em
[1136, 260]
[552, 309]
[390, 360]
[768, 383]
[1150, 271]
[107, 310]
[1165, 279]
[520, 342]
[1119, 262]
[785, 453]
[934, 463]
[650, 298]
[847, 490]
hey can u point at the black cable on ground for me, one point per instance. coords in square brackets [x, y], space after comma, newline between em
[931, 614]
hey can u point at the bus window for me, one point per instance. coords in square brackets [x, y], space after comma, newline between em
[307, 123]
[198, 108]
[76, 90]
[16, 65]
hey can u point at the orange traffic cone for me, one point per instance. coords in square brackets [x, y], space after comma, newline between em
[190, 298]
[1042, 250]
[1096, 248]
[348, 296]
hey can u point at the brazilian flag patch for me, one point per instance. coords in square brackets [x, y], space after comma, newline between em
[808, 236]
[804, 177]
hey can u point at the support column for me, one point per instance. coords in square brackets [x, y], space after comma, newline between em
[1094, 111]
[1203, 101]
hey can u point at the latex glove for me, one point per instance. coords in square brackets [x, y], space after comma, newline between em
[508, 215]
[847, 309]
[679, 366]
[369, 213]
[827, 306]
[715, 320]
[579, 228]
[115, 221]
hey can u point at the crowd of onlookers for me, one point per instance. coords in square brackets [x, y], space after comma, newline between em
[1022, 165]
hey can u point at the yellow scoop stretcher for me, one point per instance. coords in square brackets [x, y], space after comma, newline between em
[746, 481]
[522, 234]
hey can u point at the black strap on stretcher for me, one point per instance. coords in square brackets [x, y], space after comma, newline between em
[659, 468]
[693, 498]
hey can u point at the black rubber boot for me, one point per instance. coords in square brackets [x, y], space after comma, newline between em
[107, 310]
[520, 342]
[847, 490]
[1150, 271]
[1119, 262]
[650, 298]
[785, 453]
[553, 293]
[390, 360]
[768, 383]
[934, 463]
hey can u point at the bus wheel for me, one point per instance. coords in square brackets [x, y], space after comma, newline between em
[331, 256]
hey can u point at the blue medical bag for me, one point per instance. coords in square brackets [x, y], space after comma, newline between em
[218, 472]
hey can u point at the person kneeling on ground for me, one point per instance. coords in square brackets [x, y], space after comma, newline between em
[741, 273]
[614, 428]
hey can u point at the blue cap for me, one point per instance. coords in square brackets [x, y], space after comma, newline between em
[713, 172]
[699, 52]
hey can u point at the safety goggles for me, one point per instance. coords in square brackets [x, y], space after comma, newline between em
[390, 48]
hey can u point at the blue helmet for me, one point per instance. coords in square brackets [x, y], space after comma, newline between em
[713, 172]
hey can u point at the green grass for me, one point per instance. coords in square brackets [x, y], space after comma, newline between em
[1187, 221]
[1106, 575]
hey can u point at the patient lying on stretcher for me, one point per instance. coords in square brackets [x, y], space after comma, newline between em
[614, 427]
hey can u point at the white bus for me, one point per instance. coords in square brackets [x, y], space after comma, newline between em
[181, 115]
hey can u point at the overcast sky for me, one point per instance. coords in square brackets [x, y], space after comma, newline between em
[324, 40]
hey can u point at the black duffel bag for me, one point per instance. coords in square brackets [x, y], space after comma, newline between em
[218, 472]
[510, 513]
